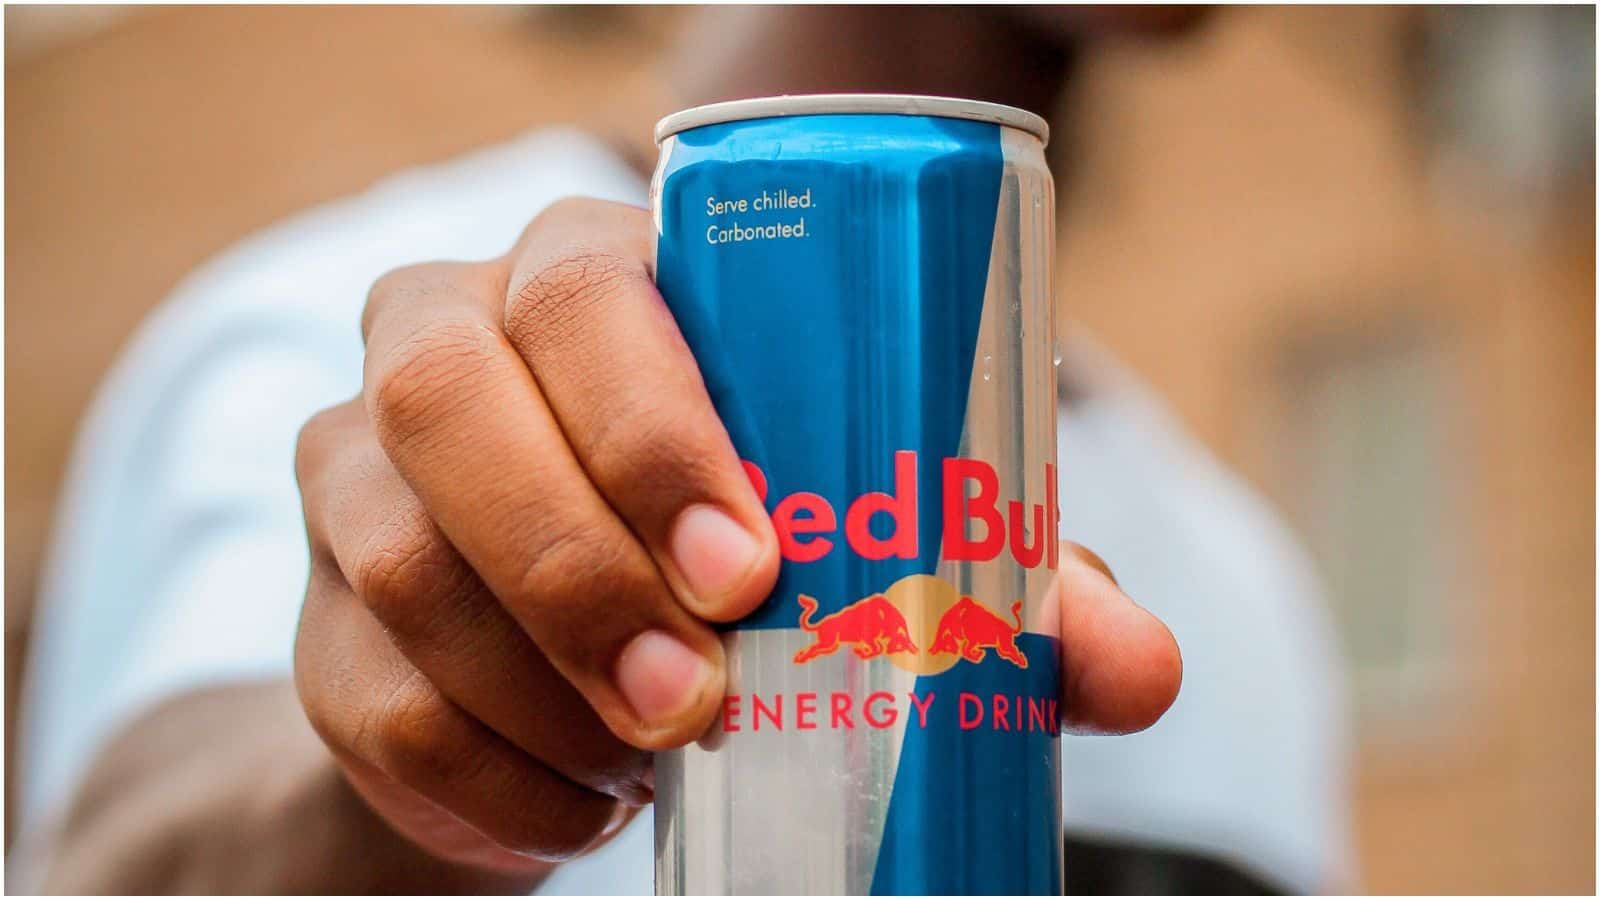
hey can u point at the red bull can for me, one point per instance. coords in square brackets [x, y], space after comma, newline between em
[865, 282]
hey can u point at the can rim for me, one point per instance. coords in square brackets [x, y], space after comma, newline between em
[853, 104]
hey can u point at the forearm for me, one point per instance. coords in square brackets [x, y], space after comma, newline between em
[228, 790]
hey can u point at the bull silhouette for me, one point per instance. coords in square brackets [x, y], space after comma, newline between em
[872, 625]
[968, 627]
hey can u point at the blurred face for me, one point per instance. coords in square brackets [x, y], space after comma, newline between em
[1015, 55]
[1063, 24]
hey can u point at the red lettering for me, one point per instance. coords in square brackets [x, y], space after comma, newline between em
[922, 708]
[840, 709]
[902, 510]
[975, 528]
[881, 709]
[775, 714]
[889, 719]
[959, 509]
[787, 523]
[805, 706]
[1027, 557]
[966, 723]
[1053, 538]
[758, 479]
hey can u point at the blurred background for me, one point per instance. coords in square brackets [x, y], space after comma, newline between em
[1353, 248]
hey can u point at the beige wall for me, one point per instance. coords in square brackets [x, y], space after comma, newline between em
[1238, 194]
[1266, 185]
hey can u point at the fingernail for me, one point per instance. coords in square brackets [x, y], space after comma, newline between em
[712, 551]
[660, 677]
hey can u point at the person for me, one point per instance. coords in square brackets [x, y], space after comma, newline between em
[517, 518]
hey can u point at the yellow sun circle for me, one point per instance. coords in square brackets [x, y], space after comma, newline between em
[922, 599]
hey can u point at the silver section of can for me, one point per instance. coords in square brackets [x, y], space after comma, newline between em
[1012, 399]
[1011, 413]
[657, 177]
[763, 810]
[853, 104]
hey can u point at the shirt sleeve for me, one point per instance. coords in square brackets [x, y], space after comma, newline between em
[1250, 765]
[179, 555]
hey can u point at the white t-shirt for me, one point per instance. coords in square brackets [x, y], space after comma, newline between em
[179, 558]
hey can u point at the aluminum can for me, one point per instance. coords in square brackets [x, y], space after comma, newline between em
[865, 282]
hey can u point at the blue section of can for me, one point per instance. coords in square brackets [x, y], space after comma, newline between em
[978, 791]
[827, 352]
[834, 316]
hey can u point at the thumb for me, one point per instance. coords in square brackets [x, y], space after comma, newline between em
[1121, 667]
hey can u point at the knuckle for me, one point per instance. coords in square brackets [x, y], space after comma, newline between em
[570, 207]
[321, 672]
[400, 283]
[421, 377]
[418, 738]
[325, 451]
[415, 283]
[313, 444]
[575, 212]
[392, 289]
[319, 713]
[650, 444]
[555, 301]
[578, 552]
[402, 568]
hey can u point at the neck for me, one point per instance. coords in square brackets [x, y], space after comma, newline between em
[728, 53]
[760, 51]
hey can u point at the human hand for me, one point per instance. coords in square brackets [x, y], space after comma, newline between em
[522, 533]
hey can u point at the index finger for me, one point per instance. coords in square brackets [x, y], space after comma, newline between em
[583, 311]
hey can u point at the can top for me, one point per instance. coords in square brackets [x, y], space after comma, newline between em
[852, 104]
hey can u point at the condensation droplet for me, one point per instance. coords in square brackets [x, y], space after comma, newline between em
[986, 360]
[1055, 349]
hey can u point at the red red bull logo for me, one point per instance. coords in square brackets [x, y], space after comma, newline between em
[971, 629]
[916, 612]
[871, 627]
